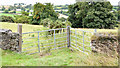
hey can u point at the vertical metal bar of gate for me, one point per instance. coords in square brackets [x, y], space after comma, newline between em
[95, 30]
[83, 41]
[54, 40]
[76, 38]
[38, 43]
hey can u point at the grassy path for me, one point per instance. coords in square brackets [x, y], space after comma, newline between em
[61, 57]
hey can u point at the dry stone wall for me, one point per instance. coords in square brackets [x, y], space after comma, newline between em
[105, 43]
[9, 40]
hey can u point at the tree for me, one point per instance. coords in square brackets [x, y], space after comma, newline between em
[92, 15]
[3, 8]
[42, 11]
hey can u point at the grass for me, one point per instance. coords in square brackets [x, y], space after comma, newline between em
[100, 30]
[6, 14]
[18, 11]
[61, 57]
[26, 27]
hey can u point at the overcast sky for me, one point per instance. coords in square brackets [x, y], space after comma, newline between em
[55, 2]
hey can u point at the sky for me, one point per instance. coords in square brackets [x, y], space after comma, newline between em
[55, 2]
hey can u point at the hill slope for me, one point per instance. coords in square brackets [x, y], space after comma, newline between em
[61, 57]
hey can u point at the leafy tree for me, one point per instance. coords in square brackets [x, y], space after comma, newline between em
[92, 15]
[42, 11]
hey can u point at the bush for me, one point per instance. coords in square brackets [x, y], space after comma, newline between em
[25, 13]
[46, 22]
[22, 19]
[34, 22]
[57, 24]
[62, 19]
[12, 12]
[6, 11]
[6, 19]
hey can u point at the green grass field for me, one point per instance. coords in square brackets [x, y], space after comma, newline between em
[18, 11]
[6, 14]
[61, 57]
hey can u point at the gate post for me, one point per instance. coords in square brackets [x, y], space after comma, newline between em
[68, 36]
[20, 37]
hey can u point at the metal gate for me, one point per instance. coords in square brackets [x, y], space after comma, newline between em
[44, 41]
[81, 40]
[47, 40]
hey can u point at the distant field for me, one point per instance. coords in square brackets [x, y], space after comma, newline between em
[26, 27]
[18, 11]
[6, 14]
[99, 30]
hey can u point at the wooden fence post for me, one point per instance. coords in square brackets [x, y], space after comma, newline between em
[68, 36]
[20, 37]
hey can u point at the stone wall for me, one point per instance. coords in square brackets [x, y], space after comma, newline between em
[9, 40]
[105, 43]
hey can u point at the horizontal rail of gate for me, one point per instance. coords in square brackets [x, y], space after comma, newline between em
[44, 41]
[81, 40]
[47, 40]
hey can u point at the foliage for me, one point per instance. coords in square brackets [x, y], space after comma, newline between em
[6, 19]
[46, 22]
[3, 8]
[34, 22]
[119, 15]
[25, 13]
[42, 11]
[62, 19]
[68, 23]
[59, 24]
[14, 12]
[92, 15]
[6, 11]
[21, 19]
